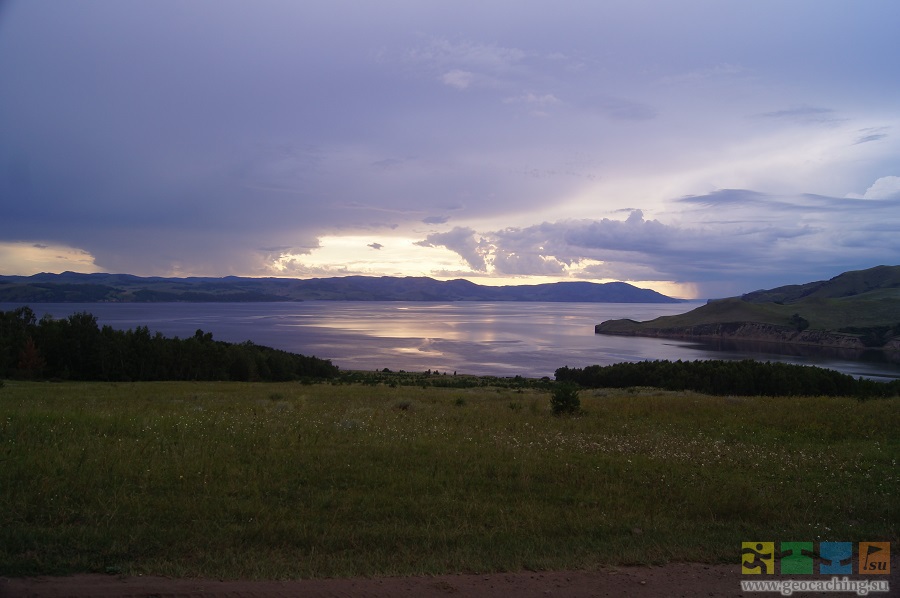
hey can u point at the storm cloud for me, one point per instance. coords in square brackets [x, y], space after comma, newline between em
[695, 143]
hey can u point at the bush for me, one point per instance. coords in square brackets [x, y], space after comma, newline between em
[799, 322]
[565, 400]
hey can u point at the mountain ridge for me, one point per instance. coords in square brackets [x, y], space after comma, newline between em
[74, 287]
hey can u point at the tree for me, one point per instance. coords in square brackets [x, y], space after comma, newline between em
[30, 361]
[565, 400]
[15, 327]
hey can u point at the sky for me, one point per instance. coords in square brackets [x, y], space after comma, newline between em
[702, 148]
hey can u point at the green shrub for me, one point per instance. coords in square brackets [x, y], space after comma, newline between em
[799, 322]
[565, 400]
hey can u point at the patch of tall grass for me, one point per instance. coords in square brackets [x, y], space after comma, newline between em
[288, 480]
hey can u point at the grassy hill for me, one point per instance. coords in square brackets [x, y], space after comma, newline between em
[860, 308]
[881, 282]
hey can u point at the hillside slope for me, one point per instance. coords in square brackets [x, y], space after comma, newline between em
[859, 309]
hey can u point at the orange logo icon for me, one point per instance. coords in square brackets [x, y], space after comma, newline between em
[875, 558]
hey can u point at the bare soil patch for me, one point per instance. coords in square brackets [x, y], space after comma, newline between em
[674, 580]
[669, 581]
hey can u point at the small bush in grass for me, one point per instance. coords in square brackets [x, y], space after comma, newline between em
[565, 400]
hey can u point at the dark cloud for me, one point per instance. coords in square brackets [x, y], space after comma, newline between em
[870, 134]
[375, 245]
[805, 115]
[868, 138]
[632, 234]
[168, 137]
[724, 197]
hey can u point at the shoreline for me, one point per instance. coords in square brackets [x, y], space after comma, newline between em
[746, 332]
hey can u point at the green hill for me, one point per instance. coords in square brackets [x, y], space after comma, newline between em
[874, 283]
[855, 309]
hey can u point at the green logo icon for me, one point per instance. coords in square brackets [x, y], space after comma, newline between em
[797, 558]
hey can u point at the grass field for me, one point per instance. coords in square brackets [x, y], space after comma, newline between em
[241, 480]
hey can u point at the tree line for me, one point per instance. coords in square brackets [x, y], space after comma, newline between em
[719, 377]
[76, 348]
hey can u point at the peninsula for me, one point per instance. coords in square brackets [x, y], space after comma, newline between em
[855, 310]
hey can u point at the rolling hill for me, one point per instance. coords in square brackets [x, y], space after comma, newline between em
[858, 309]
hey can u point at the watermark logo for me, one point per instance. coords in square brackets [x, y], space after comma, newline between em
[798, 558]
[837, 558]
[875, 558]
[787, 587]
[834, 559]
[757, 557]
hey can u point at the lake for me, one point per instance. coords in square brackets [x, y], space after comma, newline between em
[501, 339]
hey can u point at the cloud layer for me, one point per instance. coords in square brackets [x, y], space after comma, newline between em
[727, 147]
[735, 240]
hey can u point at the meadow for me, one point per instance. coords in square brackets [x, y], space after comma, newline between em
[290, 480]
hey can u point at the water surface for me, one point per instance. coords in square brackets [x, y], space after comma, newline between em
[502, 338]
